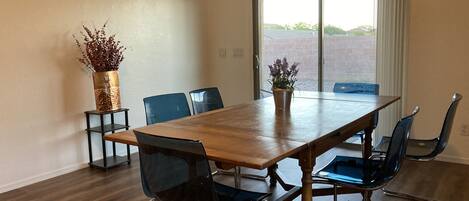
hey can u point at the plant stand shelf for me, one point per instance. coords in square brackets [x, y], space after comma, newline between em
[107, 161]
[111, 161]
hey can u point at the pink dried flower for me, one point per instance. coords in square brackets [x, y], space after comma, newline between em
[99, 52]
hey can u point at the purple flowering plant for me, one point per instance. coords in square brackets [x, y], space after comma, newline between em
[283, 76]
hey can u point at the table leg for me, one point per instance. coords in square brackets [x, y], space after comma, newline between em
[237, 177]
[271, 172]
[367, 151]
[367, 148]
[276, 175]
[307, 162]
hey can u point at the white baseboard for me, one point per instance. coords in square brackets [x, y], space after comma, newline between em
[453, 159]
[41, 177]
[55, 173]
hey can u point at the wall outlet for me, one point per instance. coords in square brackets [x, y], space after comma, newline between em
[222, 52]
[238, 52]
[465, 130]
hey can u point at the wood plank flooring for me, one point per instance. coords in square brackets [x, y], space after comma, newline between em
[432, 180]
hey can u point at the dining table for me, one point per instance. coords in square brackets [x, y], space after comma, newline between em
[256, 135]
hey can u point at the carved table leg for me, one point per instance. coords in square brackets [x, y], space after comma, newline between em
[367, 147]
[367, 151]
[307, 163]
[271, 172]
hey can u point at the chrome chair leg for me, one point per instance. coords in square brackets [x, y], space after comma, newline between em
[237, 177]
[402, 195]
[224, 172]
[335, 192]
[255, 177]
[248, 176]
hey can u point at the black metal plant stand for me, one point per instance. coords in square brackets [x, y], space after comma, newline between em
[107, 161]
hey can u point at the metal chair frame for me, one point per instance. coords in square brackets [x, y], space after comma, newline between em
[358, 88]
[441, 145]
[187, 150]
[366, 191]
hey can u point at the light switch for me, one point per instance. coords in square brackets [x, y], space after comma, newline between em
[222, 52]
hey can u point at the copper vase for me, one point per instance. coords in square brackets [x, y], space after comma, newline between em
[107, 91]
[282, 99]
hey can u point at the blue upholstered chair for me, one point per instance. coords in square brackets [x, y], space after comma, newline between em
[369, 174]
[204, 100]
[425, 150]
[358, 88]
[166, 107]
[176, 169]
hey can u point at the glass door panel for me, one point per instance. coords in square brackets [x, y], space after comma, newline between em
[349, 41]
[290, 29]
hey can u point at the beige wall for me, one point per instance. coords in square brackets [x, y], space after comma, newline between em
[438, 65]
[229, 27]
[44, 91]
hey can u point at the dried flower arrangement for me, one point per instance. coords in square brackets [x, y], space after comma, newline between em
[282, 75]
[100, 53]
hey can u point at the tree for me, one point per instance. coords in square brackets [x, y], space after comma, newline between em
[333, 30]
[274, 27]
[364, 30]
[304, 26]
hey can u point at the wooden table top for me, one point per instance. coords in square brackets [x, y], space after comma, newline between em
[342, 96]
[253, 135]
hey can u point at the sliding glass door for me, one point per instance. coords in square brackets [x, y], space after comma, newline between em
[349, 42]
[333, 40]
[289, 29]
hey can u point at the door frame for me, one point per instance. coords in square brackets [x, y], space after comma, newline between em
[256, 47]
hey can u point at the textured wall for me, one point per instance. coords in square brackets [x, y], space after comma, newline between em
[229, 27]
[438, 65]
[44, 91]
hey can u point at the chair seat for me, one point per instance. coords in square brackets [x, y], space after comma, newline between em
[352, 171]
[416, 149]
[228, 193]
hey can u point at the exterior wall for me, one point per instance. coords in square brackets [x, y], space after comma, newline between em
[347, 58]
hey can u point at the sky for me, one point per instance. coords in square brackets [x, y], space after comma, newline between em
[346, 14]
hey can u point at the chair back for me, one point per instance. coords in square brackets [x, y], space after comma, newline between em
[447, 125]
[166, 107]
[204, 100]
[174, 169]
[358, 88]
[398, 146]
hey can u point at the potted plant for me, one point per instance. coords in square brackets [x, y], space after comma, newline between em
[102, 55]
[283, 78]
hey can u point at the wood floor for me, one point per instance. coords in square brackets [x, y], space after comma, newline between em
[432, 180]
